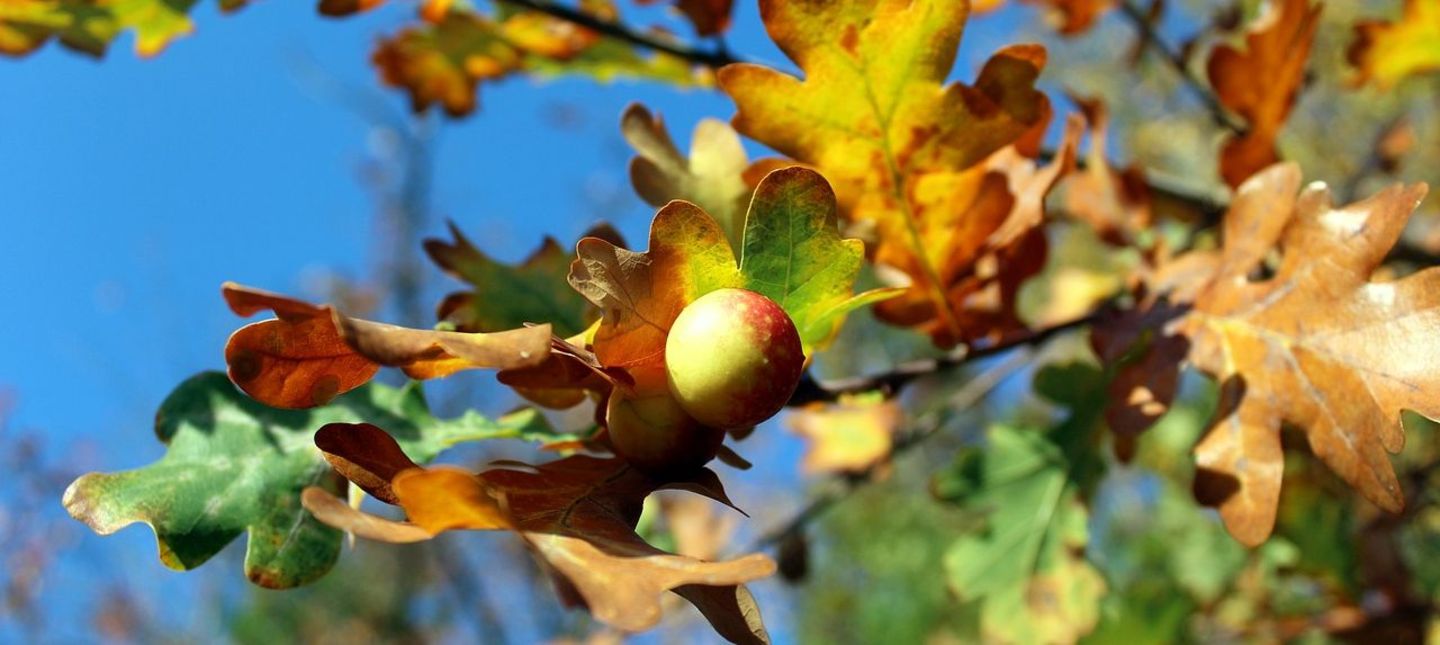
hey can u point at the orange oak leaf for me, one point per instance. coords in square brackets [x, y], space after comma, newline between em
[1261, 83]
[641, 294]
[365, 455]
[578, 515]
[443, 64]
[849, 436]
[872, 114]
[1146, 365]
[986, 224]
[308, 354]
[1141, 345]
[1386, 52]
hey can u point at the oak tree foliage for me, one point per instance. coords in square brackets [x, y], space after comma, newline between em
[893, 202]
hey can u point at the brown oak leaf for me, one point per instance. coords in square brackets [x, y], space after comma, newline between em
[578, 515]
[1320, 345]
[309, 354]
[1261, 83]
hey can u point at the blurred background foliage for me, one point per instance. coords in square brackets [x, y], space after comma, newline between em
[1137, 562]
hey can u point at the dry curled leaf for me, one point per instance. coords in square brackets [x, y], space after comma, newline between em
[899, 146]
[1261, 83]
[308, 354]
[578, 514]
[1386, 52]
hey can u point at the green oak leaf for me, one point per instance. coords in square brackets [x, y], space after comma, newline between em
[1026, 568]
[793, 254]
[507, 297]
[234, 465]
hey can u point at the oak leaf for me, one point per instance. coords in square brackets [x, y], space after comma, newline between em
[791, 253]
[430, 10]
[310, 353]
[641, 294]
[712, 177]
[1261, 83]
[849, 436]
[873, 115]
[1319, 345]
[508, 297]
[1026, 567]
[578, 515]
[1386, 52]
[442, 62]
[89, 26]
[233, 466]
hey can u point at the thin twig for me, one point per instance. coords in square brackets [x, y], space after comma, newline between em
[930, 425]
[1150, 38]
[716, 58]
[812, 391]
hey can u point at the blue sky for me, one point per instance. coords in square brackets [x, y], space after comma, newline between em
[130, 189]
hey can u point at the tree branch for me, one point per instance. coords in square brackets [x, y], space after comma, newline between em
[714, 59]
[1150, 38]
[813, 391]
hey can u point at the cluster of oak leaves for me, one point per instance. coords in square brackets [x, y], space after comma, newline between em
[945, 186]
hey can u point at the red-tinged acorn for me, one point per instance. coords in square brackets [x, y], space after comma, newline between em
[733, 358]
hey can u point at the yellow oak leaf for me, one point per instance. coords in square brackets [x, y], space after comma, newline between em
[1385, 52]
[873, 114]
